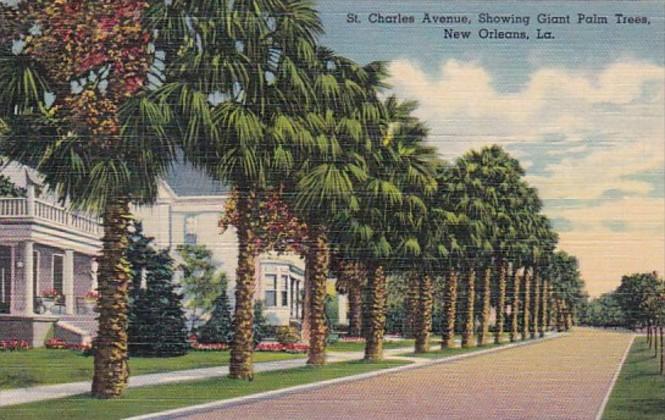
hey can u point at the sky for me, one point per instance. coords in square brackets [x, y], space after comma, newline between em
[584, 112]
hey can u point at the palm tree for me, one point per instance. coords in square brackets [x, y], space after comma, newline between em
[567, 288]
[399, 175]
[241, 97]
[350, 281]
[458, 233]
[92, 125]
[476, 198]
[341, 120]
[515, 303]
[497, 179]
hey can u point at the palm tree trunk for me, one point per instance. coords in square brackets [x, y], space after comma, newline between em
[500, 301]
[662, 353]
[111, 370]
[242, 347]
[526, 316]
[355, 310]
[515, 307]
[306, 329]
[449, 311]
[543, 325]
[318, 258]
[411, 305]
[469, 320]
[535, 304]
[423, 323]
[569, 320]
[377, 314]
[655, 347]
[561, 319]
[485, 314]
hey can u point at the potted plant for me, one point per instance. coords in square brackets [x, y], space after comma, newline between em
[90, 301]
[49, 298]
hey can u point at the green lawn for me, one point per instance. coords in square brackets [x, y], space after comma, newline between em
[342, 346]
[42, 366]
[639, 392]
[150, 399]
[436, 352]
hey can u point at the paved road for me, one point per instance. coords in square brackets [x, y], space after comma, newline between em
[564, 378]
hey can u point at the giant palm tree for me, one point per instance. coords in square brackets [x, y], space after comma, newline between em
[241, 98]
[458, 233]
[476, 199]
[342, 120]
[93, 126]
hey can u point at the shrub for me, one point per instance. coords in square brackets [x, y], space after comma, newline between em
[14, 344]
[219, 328]
[287, 335]
[60, 344]
[157, 326]
[260, 325]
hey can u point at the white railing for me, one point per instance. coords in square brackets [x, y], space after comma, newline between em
[13, 207]
[29, 207]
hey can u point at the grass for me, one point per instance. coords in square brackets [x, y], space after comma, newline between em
[437, 353]
[151, 399]
[44, 367]
[387, 345]
[639, 392]
[350, 346]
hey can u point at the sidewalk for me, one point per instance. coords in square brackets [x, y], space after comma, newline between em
[50, 392]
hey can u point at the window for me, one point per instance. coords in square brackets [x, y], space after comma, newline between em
[293, 296]
[58, 272]
[285, 290]
[190, 230]
[271, 290]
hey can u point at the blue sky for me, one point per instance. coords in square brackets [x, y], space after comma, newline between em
[583, 112]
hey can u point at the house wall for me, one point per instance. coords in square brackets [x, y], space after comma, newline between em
[82, 274]
[18, 285]
[44, 269]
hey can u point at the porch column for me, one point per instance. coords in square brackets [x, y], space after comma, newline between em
[68, 282]
[28, 275]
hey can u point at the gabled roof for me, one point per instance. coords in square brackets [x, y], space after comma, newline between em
[185, 180]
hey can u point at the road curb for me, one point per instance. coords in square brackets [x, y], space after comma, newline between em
[202, 408]
[603, 405]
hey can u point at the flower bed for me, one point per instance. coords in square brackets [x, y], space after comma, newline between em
[263, 347]
[347, 339]
[209, 347]
[285, 347]
[14, 345]
[60, 344]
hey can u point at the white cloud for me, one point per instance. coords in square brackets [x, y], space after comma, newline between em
[611, 123]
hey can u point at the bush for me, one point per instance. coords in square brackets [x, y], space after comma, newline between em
[14, 344]
[60, 344]
[260, 325]
[219, 328]
[287, 335]
[157, 326]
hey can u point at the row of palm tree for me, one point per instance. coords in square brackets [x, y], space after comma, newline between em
[244, 90]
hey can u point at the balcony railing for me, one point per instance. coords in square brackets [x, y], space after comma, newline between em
[30, 207]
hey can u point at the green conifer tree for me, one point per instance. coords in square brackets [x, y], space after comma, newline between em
[157, 326]
[219, 328]
[260, 327]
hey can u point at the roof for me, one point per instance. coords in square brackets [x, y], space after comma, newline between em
[185, 180]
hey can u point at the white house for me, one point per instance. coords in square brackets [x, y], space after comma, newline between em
[45, 246]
